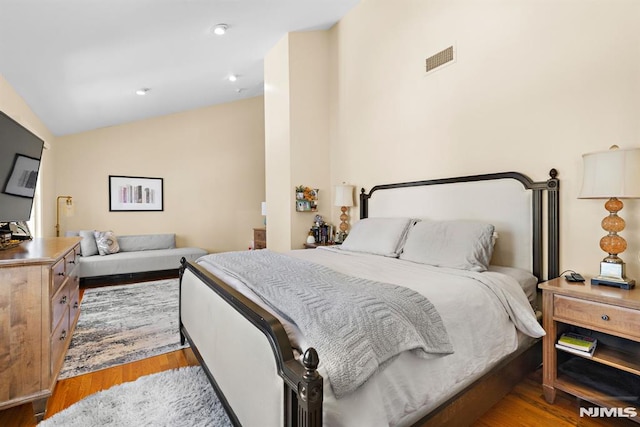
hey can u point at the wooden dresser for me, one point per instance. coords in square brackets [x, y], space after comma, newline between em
[39, 308]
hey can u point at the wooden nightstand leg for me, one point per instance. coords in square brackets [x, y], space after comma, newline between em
[549, 356]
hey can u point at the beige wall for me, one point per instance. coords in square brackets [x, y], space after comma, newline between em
[12, 104]
[296, 134]
[536, 84]
[211, 160]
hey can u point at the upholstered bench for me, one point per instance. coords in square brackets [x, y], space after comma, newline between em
[130, 257]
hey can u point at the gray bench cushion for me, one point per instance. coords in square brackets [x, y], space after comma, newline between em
[137, 261]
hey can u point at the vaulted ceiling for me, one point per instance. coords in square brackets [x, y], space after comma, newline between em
[79, 63]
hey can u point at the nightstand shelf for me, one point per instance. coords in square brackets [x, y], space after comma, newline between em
[613, 316]
[581, 391]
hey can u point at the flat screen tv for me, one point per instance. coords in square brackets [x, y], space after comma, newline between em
[20, 154]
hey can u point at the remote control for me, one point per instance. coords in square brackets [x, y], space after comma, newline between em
[574, 277]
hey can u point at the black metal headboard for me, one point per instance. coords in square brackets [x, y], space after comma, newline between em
[552, 221]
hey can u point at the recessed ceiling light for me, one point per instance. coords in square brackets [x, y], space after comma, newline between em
[220, 29]
[142, 91]
[233, 78]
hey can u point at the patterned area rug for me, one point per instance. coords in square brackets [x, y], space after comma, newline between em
[122, 324]
[177, 398]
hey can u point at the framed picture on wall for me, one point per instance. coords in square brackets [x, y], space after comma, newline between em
[23, 177]
[132, 193]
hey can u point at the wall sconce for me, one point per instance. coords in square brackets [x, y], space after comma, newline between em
[68, 210]
[612, 175]
[344, 199]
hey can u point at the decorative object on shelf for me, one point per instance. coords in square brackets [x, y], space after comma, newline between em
[613, 174]
[263, 209]
[68, 211]
[344, 199]
[321, 232]
[306, 199]
[131, 194]
[310, 238]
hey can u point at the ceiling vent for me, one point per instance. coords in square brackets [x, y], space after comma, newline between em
[439, 59]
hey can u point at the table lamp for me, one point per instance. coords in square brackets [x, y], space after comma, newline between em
[613, 175]
[344, 199]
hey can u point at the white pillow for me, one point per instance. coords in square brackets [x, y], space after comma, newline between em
[88, 246]
[378, 236]
[106, 242]
[465, 245]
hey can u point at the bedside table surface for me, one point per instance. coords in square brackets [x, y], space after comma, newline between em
[607, 294]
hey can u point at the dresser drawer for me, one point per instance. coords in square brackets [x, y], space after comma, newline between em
[57, 276]
[604, 317]
[70, 260]
[59, 338]
[74, 300]
[59, 304]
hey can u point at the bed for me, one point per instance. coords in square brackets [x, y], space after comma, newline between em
[264, 362]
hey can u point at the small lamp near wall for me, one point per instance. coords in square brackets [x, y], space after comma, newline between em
[263, 208]
[344, 199]
[612, 175]
[68, 210]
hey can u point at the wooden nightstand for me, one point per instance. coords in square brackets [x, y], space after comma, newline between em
[259, 238]
[610, 314]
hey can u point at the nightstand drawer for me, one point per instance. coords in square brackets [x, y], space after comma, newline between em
[604, 317]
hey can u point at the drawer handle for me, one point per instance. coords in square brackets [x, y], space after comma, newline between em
[76, 305]
[63, 300]
[604, 317]
[63, 335]
[72, 262]
[61, 273]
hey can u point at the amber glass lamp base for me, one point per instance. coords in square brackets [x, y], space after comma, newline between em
[612, 268]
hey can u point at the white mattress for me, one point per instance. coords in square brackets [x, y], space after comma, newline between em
[408, 387]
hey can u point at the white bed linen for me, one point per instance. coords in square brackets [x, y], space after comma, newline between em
[409, 387]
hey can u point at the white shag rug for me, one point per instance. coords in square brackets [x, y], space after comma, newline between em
[177, 398]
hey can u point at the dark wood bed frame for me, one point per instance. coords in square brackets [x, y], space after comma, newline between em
[303, 384]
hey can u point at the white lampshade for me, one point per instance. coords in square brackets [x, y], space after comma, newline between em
[344, 195]
[611, 173]
[263, 207]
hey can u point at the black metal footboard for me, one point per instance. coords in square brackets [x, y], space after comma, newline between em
[303, 384]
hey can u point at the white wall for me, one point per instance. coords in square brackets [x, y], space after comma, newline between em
[536, 84]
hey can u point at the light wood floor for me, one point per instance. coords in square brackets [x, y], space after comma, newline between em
[524, 406]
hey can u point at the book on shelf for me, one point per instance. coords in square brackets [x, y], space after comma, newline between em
[578, 342]
[574, 351]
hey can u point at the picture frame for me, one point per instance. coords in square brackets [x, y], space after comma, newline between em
[306, 199]
[135, 194]
[23, 177]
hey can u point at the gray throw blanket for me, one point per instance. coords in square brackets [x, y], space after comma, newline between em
[355, 324]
